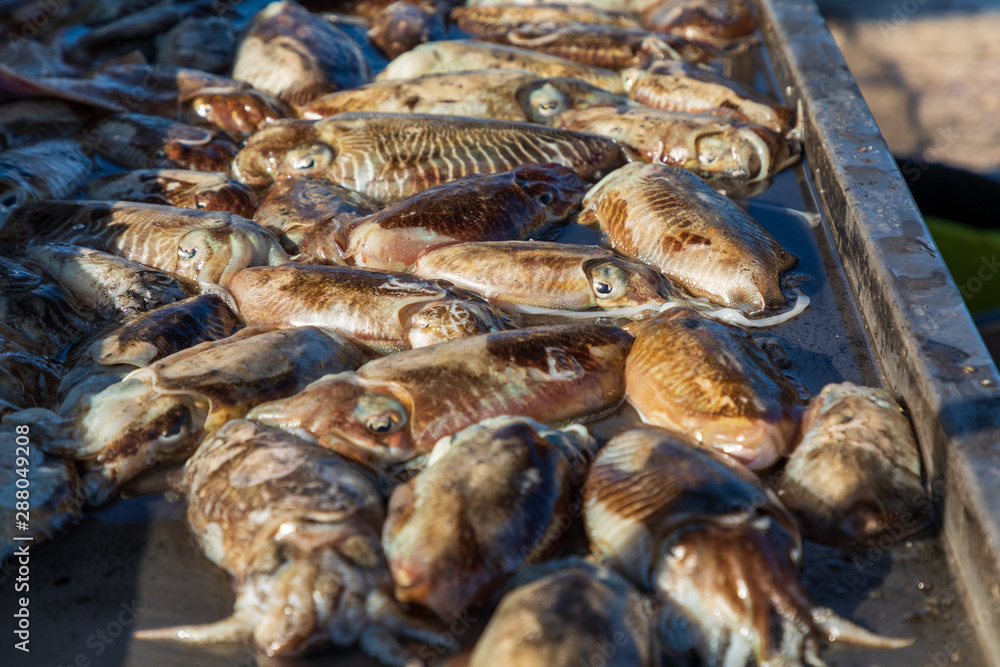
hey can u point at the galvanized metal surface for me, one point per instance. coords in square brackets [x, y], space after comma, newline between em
[923, 336]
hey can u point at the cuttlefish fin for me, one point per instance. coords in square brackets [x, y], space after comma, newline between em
[234, 629]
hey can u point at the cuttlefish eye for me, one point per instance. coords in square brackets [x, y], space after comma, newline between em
[203, 109]
[314, 157]
[385, 422]
[176, 430]
[547, 101]
[186, 253]
[9, 200]
[608, 281]
[546, 198]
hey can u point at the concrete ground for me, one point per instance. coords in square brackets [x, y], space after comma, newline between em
[930, 71]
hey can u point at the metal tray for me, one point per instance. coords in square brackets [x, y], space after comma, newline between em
[884, 311]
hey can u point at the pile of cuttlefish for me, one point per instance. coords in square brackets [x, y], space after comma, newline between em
[346, 305]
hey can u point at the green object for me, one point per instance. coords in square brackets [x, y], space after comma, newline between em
[973, 257]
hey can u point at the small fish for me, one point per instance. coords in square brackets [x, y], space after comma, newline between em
[461, 55]
[712, 382]
[563, 614]
[205, 43]
[497, 498]
[602, 46]
[391, 156]
[384, 312]
[490, 19]
[677, 86]
[204, 248]
[669, 219]
[298, 528]
[145, 142]
[310, 215]
[722, 149]
[395, 409]
[545, 277]
[297, 56]
[855, 474]
[160, 332]
[51, 169]
[707, 536]
[158, 414]
[205, 190]
[514, 204]
[406, 24]
[115, 288]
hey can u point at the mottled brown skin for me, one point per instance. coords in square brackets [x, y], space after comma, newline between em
[203, 43]
[676, 86]
[208, 191]
[604, 46]
[486, 20]
[161, 332]
[719, 23]
[463, 55]
[239, 110]
[403, 25]
[391, 156]
[297, 56]
[855, 474]
[146, 142]
[384, 312]
[706, 534]
[483, 510]
[203, 247]
[479, 93]
[669, 219]
[483, 207]
[397, 408]
[159, 414]
[546, 275]
[298, 529]
[564, 613]
[711, 381]
[722, 150]
[310, 214]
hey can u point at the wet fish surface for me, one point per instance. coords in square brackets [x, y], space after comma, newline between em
[667, 218]
[482, 207]
[205, 190]
[711, 381]
[391, 156]
[855, 474]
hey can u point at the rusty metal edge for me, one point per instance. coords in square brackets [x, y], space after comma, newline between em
[926, 343]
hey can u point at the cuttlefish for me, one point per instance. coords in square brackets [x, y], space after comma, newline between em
[706, 536]
[391, 156]
[669, 219]
[393, 410]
